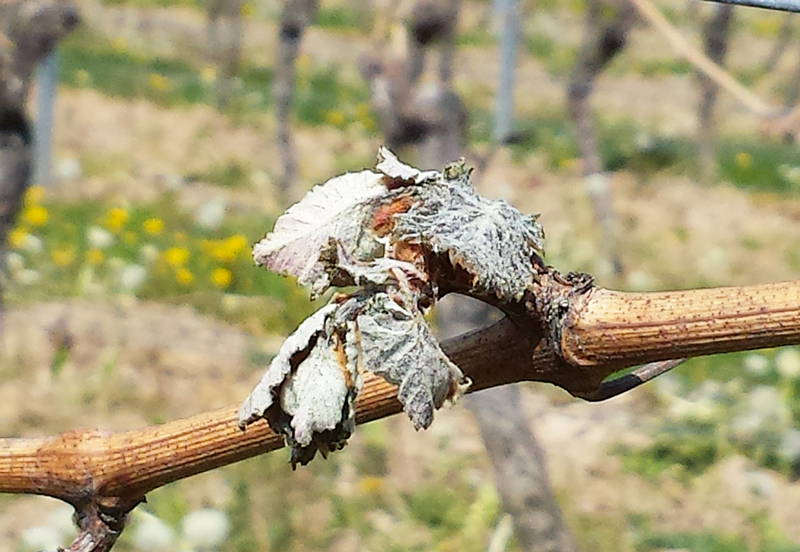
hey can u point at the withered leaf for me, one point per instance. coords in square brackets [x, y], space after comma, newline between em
[397, 344]
[319, 392]
[392, 167]
[490, 239]
[308, 391]
[263, 395]
[335, 209]
[377, 231]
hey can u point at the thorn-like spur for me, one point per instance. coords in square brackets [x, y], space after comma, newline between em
[617, 386]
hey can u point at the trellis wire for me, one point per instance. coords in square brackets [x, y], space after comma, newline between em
[783, 5]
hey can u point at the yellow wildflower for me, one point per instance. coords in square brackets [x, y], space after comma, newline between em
[370, 484]
[184, 277]
[34, 195]
[221, 277]
[222, 253]
[208, 74]
[35, 215]
[176, 256]
[94, 256]
[303, 62]
[16, 238]
[335, 117]
[82, 77]
[118, 43]
[158, 82]
[62, 256]
[247, 9]
[237, 243]
[116, 217]
[743, 160]
[363, 111]
[153, 226]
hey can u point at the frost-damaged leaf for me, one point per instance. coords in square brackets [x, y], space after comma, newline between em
[308, 391]
[397, 344]
[344, 271]
[334, 209]
[296, 345]
[490, 239]
[389, 165]
[379, 231]
[319, 394]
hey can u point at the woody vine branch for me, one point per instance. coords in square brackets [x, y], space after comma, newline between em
[559, 329]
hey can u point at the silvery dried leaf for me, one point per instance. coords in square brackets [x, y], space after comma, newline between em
[377, 231]
[345, 271]
[318, 394]
[490, 239]
[308, 391]
[389, 165]
[397, 344]
[262, 396]
[334, 209]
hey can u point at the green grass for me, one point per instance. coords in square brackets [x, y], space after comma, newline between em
[557, 61]
[339, 17]
[694, 542]
[754, 165]
[232, 174]
[748, 163]
[91, 61]
[154, 3]
[712, 542]
[722, 407]
[653, 68]
[211, 269]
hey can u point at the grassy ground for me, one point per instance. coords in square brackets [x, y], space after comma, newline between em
[143, 249]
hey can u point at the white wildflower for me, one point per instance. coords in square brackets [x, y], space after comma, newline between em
[32, 244]
[209, 216]
[765, 401]
[698, 411]
[148, 253]
[99, 238]
[151, 534]
[205, 529]
[789, 449]
[787, 362]
[15, 262]
[745, 426]
[27, 277]
[131, 277]
[756, 364]
[760, 484]
[68, 168]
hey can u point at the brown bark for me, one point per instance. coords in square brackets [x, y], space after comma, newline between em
[605, 36]
[28, 32]
[715, 46]
[783, 40]
[296, 15]
[224, 36]
[432, 23]
[520, 471]
[565, 332]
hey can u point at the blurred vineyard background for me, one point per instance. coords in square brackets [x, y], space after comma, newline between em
[133, 298]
